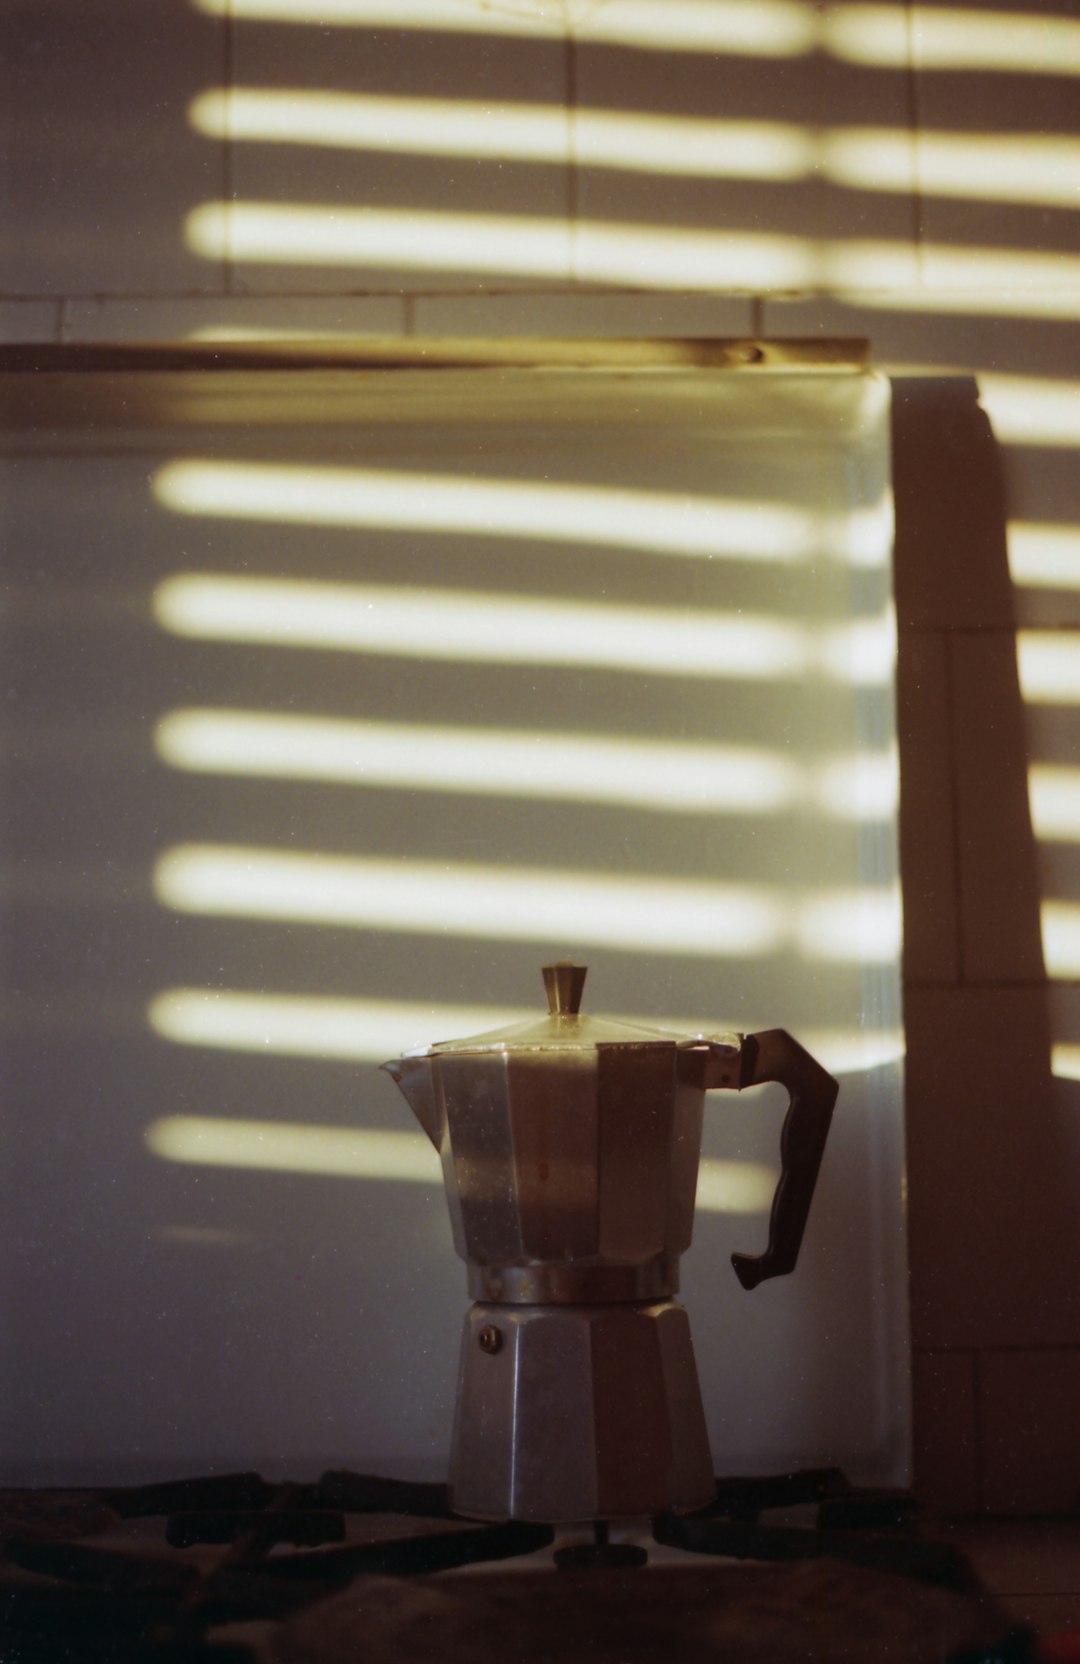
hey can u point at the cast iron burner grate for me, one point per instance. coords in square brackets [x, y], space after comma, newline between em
[74, 1587]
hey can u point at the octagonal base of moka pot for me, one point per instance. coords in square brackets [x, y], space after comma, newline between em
[578, 1412]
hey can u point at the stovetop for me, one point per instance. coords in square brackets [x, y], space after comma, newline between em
[233, 1569]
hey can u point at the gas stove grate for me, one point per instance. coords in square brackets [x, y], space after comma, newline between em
[73, 1587]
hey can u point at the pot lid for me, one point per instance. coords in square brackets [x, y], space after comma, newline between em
[562, 1028]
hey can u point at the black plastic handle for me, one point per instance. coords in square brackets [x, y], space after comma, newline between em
[774, 1055]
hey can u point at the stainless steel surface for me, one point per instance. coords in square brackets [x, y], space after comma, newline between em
[570, 1151]
[581, 1413]
[576, 1284]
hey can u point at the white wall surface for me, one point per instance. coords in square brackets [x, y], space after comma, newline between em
[904, 172]
[270, 826]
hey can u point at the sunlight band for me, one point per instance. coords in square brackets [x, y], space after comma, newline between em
[997, 167]
[366, 1030]
[655, 522]
[475, 628]
[665, 776]
[363, 1153]
[684, 917]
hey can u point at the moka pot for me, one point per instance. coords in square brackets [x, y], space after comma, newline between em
[570, 1149]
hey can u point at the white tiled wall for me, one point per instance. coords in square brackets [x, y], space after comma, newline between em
[964, 273]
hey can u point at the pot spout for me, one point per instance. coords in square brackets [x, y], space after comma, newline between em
[416, 1082]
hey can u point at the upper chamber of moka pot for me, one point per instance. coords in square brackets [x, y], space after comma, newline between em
[568, 1139]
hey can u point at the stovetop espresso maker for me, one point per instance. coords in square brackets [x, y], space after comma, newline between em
[570, 1150]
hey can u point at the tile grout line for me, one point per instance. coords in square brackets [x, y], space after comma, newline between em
[954, 805]
[570, 65]
[911, 97]
[978, 1430]
[228, 182]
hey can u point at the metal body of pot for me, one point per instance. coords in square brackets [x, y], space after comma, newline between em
[570, 1149]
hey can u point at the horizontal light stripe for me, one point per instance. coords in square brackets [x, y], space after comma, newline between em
[1009, 296]
[655, 522]
[668, 776]
[1029, 411]
[360, 1153]
[952, 276]
[529, 904]
[861, 653]
[773, 28]
[1054, 794]
[545, 18]
[649, 256]
[672, 777]
[1028, 168]
[854, 1051]
[983, 167]
[863, 788]
[1049, 666]
[757, 28]
[477, 628]
[505, 904]
[1065, 1062]
[971, 39]
[376, 122]
[863, 534]
[544, 133]
[471, 628]
[1044, 556]
[270, 332]
[298, 234]
[863, 925]
[1061, 939]
[735, 1186]
[287, 1147]
[203, 1236]
[513, 245]
[1020, 43]
[368, 1031]
[371, 1031]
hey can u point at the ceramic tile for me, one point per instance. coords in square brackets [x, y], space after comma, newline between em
[1065, 1016]
[993, 180]
[1026, 372]
[630, 315]
[1000, 890]
[28, 320]
[908, 336]
[1054, 753]
[1031, 1453]
[927, 824]
[1049, 1615]
[100, 189]
[233, 319]
[704, 163]
[992, 1146]
[1043, 487]
[946, 1450]
[1022, 1558]
[951, 565]
[414, 159]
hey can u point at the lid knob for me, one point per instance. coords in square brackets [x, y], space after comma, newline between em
[564, 983]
